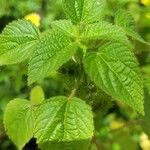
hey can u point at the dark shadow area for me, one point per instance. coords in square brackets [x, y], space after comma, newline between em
[31, 145]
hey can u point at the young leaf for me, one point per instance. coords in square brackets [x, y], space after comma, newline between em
[17, 41]
[85, 11]
[73, 9]
[125, 20]
[115, 70]
[64, 26]
[64, 120]
[93, 10]
[106, 31]
[53, 50]
[37, 95]
[18, 122]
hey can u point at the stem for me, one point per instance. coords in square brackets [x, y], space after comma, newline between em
[95, 142]
[44, 7]
[72, 94]
[77, 81]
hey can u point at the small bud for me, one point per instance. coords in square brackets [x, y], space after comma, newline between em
[37, 95]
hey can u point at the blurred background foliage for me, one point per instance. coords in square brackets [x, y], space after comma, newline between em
[117, 126]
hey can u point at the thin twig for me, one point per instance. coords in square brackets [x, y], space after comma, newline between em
[95, 142]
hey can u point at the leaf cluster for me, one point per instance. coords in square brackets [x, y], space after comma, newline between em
[104, 54]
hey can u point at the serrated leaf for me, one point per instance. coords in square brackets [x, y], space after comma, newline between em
[73, 9]
[53, 50]
[93, 10]
[37, 95]
[125, 20]
[17, 41]
[85, 11]
[18, 122]
[64, 120]
[64, 26]
[115, 70]
[104, 31]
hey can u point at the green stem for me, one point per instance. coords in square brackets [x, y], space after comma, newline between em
[72, 94]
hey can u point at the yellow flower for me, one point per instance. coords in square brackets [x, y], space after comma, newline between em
[115, 124]
[144, 142]
[145, 2]
[34, 18]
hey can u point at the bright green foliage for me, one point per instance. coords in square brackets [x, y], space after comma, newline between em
[93, 11]
[65, 26]
[89, 42]
[17, 42]
[73, 9]
[18, 121]
[62, 119]
[106, 31]
[52, 51]
[67, 120]
[37, 95]
[114, 69]
[125, 20]
[84, 11]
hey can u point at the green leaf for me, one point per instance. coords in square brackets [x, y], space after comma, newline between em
[125, 20]
[64, 120]
[52, 51]
[18, 121]
[73, 9]
[17, 41]
[104, 31]
[115, 70]
[37, 95]
[64, 26]
[93, 10]
[85, 11]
